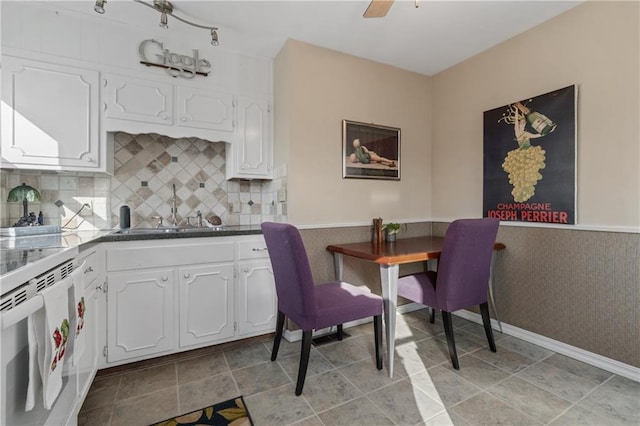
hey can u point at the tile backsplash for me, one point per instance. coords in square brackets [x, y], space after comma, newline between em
[61, 197]
[145, 168]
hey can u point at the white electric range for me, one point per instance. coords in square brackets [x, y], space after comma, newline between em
[29, 264]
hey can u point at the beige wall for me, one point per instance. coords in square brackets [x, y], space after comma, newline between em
[323, 87]
[574, 286]
[595, 46]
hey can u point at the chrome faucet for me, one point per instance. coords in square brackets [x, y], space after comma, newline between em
[174, 208]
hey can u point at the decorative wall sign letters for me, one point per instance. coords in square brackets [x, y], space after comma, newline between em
[176, 65]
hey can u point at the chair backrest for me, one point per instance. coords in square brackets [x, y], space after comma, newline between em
[294, 283]
[465, 262]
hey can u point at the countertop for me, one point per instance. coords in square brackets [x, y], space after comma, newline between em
[24, 258]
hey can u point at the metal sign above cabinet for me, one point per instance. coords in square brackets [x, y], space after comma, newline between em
[175, 64]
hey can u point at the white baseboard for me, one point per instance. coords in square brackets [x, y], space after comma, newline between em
[608, 364]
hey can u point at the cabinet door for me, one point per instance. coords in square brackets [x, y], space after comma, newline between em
[256, 298]
[252, 153]
[205, 109]
[206, 304]
[49, 116]
[140, 313]
[138, 100]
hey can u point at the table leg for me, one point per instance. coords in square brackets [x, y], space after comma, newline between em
[389, 278]
[338, 265]
[493, 302]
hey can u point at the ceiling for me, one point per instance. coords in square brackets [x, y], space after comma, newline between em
[428, 39]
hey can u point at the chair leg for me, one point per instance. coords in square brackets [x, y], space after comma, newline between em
[448, 330]
[278, 336]
[432, 315]
[304, 360]
[486, 320]
[339, 332]
[377, 331]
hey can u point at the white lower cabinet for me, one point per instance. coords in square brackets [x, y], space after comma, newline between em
[167, 296]
[140, 313]
[206, 308]
[256, 299]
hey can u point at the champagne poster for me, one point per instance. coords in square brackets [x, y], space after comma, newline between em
[530, 159]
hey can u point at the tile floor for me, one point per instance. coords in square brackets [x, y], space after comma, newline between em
[521, 384]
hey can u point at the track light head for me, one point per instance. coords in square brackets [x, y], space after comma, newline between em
[164, 24]
[214, 37]
[99, 7]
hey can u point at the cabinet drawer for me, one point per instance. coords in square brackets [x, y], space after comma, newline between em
[256, 249]
[121, 259]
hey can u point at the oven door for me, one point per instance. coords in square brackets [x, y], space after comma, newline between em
[14, 362]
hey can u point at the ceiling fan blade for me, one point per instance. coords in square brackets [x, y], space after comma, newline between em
[378, 8]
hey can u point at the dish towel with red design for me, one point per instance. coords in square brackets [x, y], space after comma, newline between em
[51, 329]
[77, 313]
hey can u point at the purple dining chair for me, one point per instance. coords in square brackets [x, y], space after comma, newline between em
[462, 278]
[313, 306]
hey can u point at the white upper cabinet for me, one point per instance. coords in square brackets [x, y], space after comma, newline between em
[50, 117]
[138, 100]
[250, 157]
[150, 102]
[205, 109]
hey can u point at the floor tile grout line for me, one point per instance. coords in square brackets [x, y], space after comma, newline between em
[596, 385]
[574, 405]
[508, 402]
[178, 389]
[235, 382]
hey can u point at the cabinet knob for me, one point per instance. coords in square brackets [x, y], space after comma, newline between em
[186, 275]
[245, 270]
[164, 117]
[165, 278]
[89, 160]
[184, 118]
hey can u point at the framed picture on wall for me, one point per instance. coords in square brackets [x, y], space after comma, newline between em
[530, 159]
[370, 151]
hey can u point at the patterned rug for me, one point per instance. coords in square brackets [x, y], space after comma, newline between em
[231, 412]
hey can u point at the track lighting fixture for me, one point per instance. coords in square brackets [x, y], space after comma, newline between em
[99, 7]
[166, 9]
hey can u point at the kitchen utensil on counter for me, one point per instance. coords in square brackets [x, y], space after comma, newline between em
[125, 217]
[214, 220]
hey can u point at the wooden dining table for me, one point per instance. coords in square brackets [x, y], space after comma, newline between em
[389, 256]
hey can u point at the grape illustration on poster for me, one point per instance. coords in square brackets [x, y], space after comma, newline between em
[529, 159]
[524, 163]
